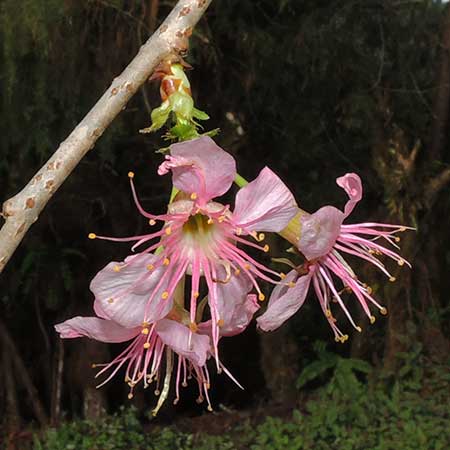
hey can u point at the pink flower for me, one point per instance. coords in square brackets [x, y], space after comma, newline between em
[200, 237]
[123, 315]
[143, 357]
[323, 239]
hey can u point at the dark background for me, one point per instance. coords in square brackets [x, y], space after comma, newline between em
[316, 89]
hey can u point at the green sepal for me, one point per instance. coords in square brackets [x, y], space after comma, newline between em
[200, 115]
[183, 132]
[182, 105]
[159, 117]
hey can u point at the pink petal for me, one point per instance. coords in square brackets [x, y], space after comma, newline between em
[236, 307]
[99, 312]
[95, 328]
[200, 167]
[319, 231]
[123, 295]
[284, 302]
[265, 204]
[351, 183]
[176, 336]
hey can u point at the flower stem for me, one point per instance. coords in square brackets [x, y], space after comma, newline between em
[240, 181]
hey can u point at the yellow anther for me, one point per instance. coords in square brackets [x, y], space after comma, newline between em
[168, 231]
[150, 267]
[383, 311]
[392, 279]
[400, 262]
[266, 248]
[130, 396]
[237, 272]
[196, 295]
[261, 297]
[291, 284]
[397, 239]
[402, 229]
[145, 330]
[246, 266]
[130, 174]
[210, 221]
[193, 327]
[110, 300]
[165, 295]
[337, 339]
[193, 196]
[116, 268]
[372, 319]
[345, 337]
[328, 313]
[92, 235]
[359, 329]
[93, 365]
[282, 275]
[147, 345]
[261, 236]
[152, 222]
[239, 231]
[166, 261]
[369, 290]
[220, 323]
[221, 219]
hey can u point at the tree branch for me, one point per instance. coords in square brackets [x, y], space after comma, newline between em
[22, 210]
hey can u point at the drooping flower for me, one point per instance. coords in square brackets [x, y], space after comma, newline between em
[324, 240]
[157, 336]
[200, 237]
[122, 314]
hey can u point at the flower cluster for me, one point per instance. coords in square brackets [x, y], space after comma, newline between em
[153, 297]
[193, 281]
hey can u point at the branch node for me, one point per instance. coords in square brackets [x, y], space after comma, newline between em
[30, 203]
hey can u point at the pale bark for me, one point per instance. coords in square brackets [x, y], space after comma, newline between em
[22, 210]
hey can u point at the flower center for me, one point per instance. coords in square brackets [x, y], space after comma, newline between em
[198, 225]
[201, 233]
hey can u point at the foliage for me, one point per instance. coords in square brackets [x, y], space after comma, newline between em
[411, 412]
[344, 370]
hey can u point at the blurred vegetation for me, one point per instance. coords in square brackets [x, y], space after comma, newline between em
[346, 412]
[313, 88]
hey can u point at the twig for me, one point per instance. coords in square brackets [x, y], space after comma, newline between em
[58, 368]
[22, 210]
[435, 186]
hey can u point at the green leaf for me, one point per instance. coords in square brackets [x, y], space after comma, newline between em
[314, 370]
